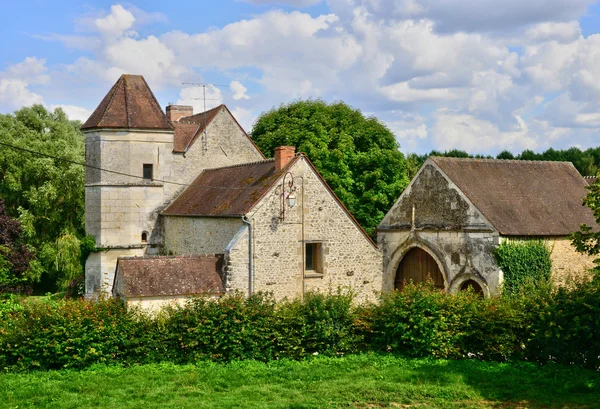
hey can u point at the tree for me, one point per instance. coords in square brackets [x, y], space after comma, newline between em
[586, 240]
[15, 256]
[45, 194]
[357, 156]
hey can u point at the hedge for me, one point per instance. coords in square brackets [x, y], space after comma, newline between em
[539, 324]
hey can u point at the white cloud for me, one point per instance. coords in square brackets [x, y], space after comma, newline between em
[200, 98]
[15, 94]
[116, 23]
[74, 112]
[245, 117]
[239, 91]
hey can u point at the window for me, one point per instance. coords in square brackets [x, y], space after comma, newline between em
[148, 171]
[144, 237]
[313, 258]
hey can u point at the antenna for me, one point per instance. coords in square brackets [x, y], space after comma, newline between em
[204, 139]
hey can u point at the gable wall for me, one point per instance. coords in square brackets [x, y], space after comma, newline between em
[225, 144]
[349, 259]
[447, 226]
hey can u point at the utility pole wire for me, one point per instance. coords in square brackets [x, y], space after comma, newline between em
[107, 170]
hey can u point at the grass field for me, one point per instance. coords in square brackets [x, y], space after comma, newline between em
[362, 381]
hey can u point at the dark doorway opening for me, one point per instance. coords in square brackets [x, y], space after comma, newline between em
[473, 285]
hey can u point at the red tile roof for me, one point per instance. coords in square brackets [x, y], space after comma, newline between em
[168, 276]
[130, 104]
[522, 198]
[227, 191]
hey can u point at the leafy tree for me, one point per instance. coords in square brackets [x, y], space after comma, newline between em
[357, 156]
[15, 256]
[505, 155]
[586, 240]
[45, 194]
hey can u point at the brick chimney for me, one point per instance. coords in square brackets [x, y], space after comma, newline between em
[176, 112]
[283, 156]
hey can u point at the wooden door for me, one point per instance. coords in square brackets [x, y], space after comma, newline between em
[418, 266]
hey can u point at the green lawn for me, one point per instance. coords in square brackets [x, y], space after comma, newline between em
[362, 381]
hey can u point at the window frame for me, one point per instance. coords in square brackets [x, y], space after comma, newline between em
[316, 255]
[145, 167]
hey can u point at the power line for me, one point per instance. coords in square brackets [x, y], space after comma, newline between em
[107, 170]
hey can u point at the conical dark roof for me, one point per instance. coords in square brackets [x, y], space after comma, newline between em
[130, 104]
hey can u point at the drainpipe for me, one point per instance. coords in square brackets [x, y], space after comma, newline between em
[250, 255]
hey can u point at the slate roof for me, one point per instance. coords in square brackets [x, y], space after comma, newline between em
[522, 198]
[130, 104]
[228, 191]
[168, 276]
[591, 179]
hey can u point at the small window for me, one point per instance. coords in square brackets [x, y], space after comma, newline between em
[313, 255]
[144, 237]
[148, 171]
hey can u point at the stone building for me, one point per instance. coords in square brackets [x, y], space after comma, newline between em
[455, 212]
[195, 185]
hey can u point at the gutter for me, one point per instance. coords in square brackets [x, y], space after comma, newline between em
[250, 256]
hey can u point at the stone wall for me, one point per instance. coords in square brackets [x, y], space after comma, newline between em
[568, 265]
[447, 226]
[120, 208]
[349, 259]
[225, 144]
[100, 269]
[199, 235]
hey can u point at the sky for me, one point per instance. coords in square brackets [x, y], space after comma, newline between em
[481, 76]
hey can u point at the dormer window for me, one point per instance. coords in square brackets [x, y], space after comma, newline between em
[144, 237]
[148, 171]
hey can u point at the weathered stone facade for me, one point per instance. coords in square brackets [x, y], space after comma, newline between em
[199, 235]
[436, 215]
[348, 259]
[447, 226]
[120, 208]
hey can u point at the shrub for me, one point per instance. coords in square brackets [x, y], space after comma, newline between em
[521, 261]
[231, 327]
[321, 324]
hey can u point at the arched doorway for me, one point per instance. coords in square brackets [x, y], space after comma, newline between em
[418, 266]
[473, 286]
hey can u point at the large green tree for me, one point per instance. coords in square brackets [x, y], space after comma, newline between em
[587, 240]
[358, 157]
[45, 194]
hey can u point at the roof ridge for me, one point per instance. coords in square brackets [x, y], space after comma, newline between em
[502, 160]
[154, 257]
[203, 112]
[239, 165]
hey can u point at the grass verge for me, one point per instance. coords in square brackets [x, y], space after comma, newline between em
[360, 381]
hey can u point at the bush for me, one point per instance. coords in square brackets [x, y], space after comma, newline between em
[322, 324]
[536, 323]
[521, 261]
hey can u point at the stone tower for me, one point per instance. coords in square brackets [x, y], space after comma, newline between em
[129, 144]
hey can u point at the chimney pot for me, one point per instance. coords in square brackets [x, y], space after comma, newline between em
[283, 156]
[176, 112]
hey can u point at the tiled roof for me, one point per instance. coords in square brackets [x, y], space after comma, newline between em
[186, 137]
[522, 198]
[130, 104]
[184, 134]
[168, 276]
[228, 191]
[591, 179]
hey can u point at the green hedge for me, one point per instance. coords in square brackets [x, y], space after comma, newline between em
[522, 262]
[538, 324]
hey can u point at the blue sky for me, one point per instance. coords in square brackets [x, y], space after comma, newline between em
[442, 74]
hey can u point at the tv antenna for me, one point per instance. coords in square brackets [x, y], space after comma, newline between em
[204, 137]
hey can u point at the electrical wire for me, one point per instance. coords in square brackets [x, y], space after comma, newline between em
[108, 170]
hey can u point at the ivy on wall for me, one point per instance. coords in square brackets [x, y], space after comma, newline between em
[522, 262]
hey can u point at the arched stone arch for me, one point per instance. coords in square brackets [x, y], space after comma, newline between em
[404, 248]
[461, 279]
